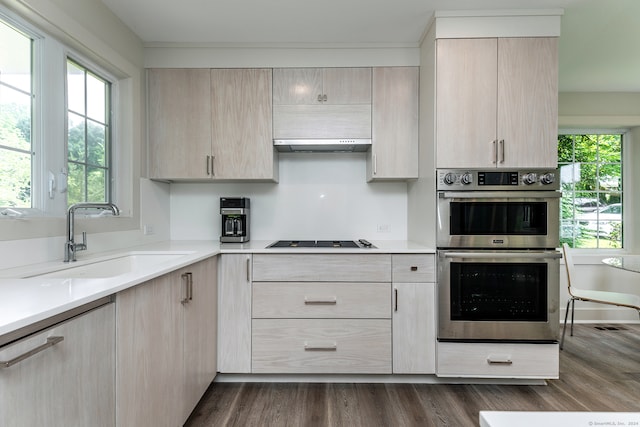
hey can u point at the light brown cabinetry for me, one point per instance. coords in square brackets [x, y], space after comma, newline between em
[496, 102]
[234, 307]
[70, 383]
[414, 314]
[321, 314]
[394, 135]
[164, 361]
[314, 103]
[211, 124]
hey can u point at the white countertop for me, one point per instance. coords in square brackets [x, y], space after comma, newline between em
[25, 301]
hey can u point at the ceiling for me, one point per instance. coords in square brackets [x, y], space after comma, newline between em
[599, 43]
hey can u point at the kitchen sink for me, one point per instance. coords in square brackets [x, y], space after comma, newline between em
[113, 266]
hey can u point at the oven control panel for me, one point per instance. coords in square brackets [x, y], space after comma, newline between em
[469, 179]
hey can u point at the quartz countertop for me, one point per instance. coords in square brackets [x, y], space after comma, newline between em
[25, 301]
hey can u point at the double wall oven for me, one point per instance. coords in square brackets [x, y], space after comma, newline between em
[498, 266]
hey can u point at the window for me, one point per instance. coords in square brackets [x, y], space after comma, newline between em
[88, 133]
[592, 190]
[16, 97]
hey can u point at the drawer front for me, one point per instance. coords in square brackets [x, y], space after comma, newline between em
[321, 268]
[321, 346]
[482, 360]
[413, 268]
[321, 300]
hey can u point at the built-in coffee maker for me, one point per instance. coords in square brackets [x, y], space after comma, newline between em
[235, 219]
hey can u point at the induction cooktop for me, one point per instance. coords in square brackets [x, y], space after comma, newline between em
[362, 243]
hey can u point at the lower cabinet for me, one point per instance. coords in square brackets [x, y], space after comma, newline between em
[498, 360]
[68, 383]
[166, 346]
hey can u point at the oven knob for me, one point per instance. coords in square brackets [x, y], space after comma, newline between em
[548, 178]
[529, 178]
[449, 178]
[466, 178]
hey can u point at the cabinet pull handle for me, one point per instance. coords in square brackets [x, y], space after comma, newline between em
[414, 268]
[321, 301]
[321, 347]
[324, 98]
[248, 269]
[395, 297]
[500, 359]
[208, 165]
[494, 159]
[502, 151]
[375, 164]
[188, 282]
[213, 162]
[319, 97]
[51, 341]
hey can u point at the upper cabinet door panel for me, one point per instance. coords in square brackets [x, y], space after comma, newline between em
[297, 86]
[466, 71]
[528, 101]
[241, 124]
[347, 86]
[180, 122]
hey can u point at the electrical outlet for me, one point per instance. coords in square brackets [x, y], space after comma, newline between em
[148, 229]
[383, 228]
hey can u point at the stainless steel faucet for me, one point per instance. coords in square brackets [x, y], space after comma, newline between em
[71, 247]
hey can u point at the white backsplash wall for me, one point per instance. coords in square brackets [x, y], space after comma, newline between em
[319, 196]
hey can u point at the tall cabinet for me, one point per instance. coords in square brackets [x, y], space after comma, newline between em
[211, 124]
[497, 102]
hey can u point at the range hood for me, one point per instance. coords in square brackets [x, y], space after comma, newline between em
[322, 145]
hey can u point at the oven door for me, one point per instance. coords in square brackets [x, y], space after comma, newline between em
[498, 296]
[505, 219]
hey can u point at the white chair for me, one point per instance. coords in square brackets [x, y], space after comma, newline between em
[601, 297]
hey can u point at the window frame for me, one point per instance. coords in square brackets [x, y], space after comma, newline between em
[625, 159]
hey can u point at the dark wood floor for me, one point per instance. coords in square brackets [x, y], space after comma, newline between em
[599, 371]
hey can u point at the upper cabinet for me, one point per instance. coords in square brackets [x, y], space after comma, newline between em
[316, 103]
[394, 151]
[496, 102]
[211, 124]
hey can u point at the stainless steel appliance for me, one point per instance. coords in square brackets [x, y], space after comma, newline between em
[361, 243]
[235, 219]
[498, 268]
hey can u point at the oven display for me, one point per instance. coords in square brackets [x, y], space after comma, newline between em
[498, 178]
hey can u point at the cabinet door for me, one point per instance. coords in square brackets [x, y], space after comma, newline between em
[179, 123]
[343, 86]
[68, 384]
[297, 86]
[414, 328]
[150, 354]
[466, 103]
[528, 102]
[241, 123]
[394, 153]
[234, 320]
[200, 330]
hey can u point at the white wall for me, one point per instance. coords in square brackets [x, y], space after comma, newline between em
[319, 196]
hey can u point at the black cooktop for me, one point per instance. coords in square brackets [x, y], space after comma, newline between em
[320, 244]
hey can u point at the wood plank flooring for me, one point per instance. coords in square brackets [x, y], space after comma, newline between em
[599, 371]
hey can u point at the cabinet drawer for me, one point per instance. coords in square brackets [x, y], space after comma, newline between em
[321, 300]
[484, 360]
[413, 268]
[321, 346]
[321, 268]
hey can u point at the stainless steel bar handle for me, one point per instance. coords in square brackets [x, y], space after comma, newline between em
[395, 306]
[319, 97]
[186, 277]
[248, 269]
[51, 341]
[502, 151]
[320, 300]
[190, 279]
[499, 194]
[503, 255]
[208, 165]
[213, 162]
[499, 360]
[321, 347]
[324, 98]
[494, 159]
[375, 164]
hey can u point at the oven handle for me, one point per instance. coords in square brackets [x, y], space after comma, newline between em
[505, 254]
[499, 194]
